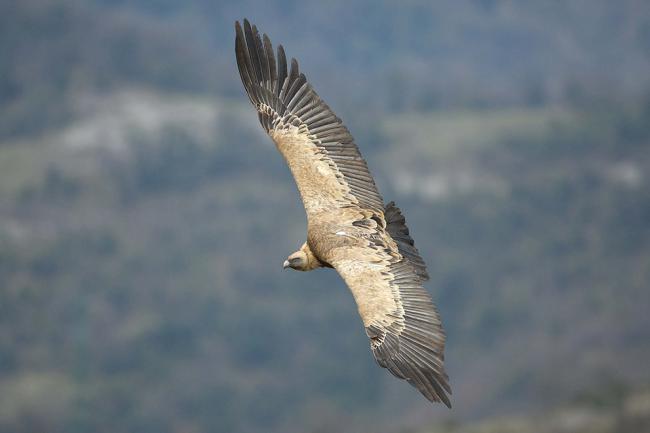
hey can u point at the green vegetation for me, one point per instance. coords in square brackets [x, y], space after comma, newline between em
[630, 413]
[143, 293]
[144, 218]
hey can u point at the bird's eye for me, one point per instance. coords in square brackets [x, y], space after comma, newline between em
[295, 261]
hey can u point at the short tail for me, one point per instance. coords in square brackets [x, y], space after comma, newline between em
[396, 226]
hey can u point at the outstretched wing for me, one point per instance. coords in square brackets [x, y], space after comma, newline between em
[385, 275]
[326, 164]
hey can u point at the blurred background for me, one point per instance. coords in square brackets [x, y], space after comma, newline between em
[145, 216]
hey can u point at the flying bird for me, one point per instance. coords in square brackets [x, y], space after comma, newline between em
[348, 226]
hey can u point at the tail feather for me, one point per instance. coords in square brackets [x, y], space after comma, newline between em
[396, 226]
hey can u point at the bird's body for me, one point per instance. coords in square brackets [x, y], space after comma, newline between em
[348, 226]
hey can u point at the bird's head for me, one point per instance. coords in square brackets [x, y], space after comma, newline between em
[297, 261]
[302, 260]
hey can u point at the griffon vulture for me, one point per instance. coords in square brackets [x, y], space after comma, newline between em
[348, 226]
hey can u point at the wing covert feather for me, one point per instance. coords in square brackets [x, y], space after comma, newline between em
[403, 324]
[320, 151]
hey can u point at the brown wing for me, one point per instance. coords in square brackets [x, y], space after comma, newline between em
[326, 164]
[403, 325]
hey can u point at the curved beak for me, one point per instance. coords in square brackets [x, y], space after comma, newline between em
[285, 265]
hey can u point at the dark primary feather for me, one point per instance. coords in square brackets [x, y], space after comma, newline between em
[413, 348]
[293, 101]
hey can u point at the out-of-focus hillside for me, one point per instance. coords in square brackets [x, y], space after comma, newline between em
[144, 216]
[417, 55]
[596, 414]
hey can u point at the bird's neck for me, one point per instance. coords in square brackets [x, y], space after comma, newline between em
[312, 260]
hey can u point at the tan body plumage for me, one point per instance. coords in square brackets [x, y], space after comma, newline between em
[348, 226]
